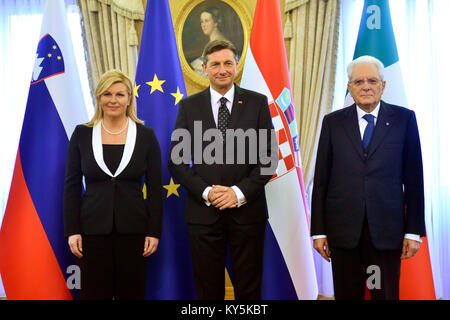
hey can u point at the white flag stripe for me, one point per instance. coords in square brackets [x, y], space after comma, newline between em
[394, 92]
[291, 230]
[252, 77]
[68, 102]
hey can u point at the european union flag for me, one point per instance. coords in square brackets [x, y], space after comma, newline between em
[158, 89]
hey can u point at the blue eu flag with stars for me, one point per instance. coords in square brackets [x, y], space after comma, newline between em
[158, 89]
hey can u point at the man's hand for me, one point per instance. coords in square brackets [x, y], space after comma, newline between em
[76, 245]
[410, 248]
[150, 246]
[321, 245]
[222, 197]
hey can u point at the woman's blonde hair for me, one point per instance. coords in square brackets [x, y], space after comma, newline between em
[107, 80]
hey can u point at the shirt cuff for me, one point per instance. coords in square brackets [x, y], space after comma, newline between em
[415, 237]
[240, 196]
[205, 195]
[409, 236]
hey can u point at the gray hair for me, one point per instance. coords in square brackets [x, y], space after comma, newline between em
[365, 59]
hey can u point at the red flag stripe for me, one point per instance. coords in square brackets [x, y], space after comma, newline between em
[265, 39]
[416, 278]
[28, 265]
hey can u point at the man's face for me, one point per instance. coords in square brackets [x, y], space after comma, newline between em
[221, 70]
[366, 86]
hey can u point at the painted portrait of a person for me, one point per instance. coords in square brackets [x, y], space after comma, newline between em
[211, 22]
[208, 21]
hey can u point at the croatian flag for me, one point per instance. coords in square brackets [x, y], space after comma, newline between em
[376, 38]
[289, 271]
[35, 260]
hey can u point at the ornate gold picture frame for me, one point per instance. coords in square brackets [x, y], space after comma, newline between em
[201, 21]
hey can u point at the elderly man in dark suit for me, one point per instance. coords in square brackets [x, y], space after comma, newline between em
[226, 205]
[368, 198]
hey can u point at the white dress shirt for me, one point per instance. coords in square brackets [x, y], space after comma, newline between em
[362, 126]
[215, 105]
[363, 122]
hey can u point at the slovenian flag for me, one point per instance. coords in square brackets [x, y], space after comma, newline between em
[159, 88]
[35, 260]
[288, 271]
[376, 38]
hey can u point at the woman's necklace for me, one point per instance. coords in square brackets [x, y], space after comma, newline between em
[115, 133]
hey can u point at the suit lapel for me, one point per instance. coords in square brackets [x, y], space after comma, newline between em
[97, 147]
[238, 105]
[386, 119]
[351, 126]
[206, 110]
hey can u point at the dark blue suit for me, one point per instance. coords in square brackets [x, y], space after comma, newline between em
[212, 230]
[379, 190]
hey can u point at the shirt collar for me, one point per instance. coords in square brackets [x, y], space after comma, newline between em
[215, 96]
[362, 113]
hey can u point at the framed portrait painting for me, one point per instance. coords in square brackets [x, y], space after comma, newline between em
[201, 21]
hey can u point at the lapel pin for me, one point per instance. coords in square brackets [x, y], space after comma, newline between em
[240, 101]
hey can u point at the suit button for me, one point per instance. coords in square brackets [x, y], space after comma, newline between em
[113, 179]
[365, 155]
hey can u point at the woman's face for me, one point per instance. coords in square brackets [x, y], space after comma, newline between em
[114, 101]
[207, 23]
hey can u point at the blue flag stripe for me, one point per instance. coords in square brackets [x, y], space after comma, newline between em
[43, 145]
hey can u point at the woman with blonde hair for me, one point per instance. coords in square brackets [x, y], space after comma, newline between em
[110, 227]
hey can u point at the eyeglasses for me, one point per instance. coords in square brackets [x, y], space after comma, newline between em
[360, 82]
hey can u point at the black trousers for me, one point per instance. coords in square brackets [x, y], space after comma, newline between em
[353, 269]
[112, 267]
[209, 250]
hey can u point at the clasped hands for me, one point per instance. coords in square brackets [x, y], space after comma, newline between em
[222, 197]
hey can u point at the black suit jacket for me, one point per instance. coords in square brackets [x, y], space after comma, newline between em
[109, 198]
[250, 110]
[386, 182]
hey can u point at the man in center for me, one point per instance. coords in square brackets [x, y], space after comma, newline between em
[226, 205]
